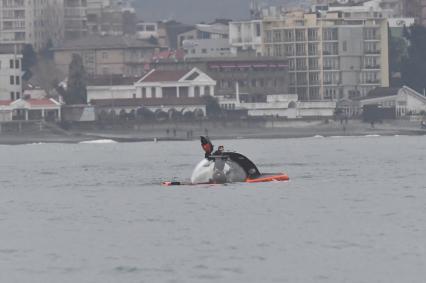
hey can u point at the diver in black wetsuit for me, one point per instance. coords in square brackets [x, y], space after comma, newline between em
[219, 150]
[219, 165]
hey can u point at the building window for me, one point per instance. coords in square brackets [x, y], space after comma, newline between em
[18, 95]
[12, 96]
[104, 55]
[17, 64]
[312, 34]
[204, 50]
[17, 80]
[289, 50]
[12, 80]
[153, 92]
[143, 92]
[300, 49]
[300, 35]
[11, 64]
[258, 29]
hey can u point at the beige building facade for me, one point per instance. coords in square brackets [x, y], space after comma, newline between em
[331, 55]
[31, 22]
[107, 55]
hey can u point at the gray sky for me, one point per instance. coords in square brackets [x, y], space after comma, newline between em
[192, 11]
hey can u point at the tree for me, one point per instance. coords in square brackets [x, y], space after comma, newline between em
[153, 40]
[29, 59]
[398, 53]
[77, 82]
[47, 52]
[212, 106]
[414, 67]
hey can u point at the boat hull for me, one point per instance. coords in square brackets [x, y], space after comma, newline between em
[263, 178]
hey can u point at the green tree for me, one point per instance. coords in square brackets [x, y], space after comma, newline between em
[47, 52]
[212, 106]
[153, 40]
[397, 55]
[29, 59]
[414, 66]
[77, 82]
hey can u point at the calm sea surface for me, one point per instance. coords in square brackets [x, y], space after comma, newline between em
[354, 211]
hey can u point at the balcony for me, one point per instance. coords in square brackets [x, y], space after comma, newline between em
[371, 82]
[372, 52]
[372, 67]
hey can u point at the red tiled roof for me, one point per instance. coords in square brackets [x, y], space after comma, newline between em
[5, 102]
[41, 102]
[148, 102]
[165, 76]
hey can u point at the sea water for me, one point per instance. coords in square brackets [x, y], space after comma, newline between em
[354, 211]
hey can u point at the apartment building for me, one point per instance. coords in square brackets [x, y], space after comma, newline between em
[252, 78]
[110, 17]
[204, 31]
[10, 76]
[75, 20]
[416, 9]
[331, 55]
[107, 55]
[31, 22]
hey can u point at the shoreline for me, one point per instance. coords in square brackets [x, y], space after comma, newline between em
[150, 133]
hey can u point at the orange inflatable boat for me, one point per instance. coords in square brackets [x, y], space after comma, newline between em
[226, 167]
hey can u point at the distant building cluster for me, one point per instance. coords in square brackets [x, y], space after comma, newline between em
[282, 61]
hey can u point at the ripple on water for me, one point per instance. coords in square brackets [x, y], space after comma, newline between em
[135, 269]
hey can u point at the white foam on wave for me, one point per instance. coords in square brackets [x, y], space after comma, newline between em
[318, 136]
[104, 141]
[372, 136]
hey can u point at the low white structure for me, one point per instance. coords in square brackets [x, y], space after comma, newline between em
[10, 76]
[282, 105]
[405, 100]
[36, 109]
[175, 84]
[5, 111]
[157, 84]
[160, 108]
[110, 92]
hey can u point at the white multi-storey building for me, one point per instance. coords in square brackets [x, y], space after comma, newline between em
[31, 22]
[331, 55]
[75, 20]
[10, 76]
